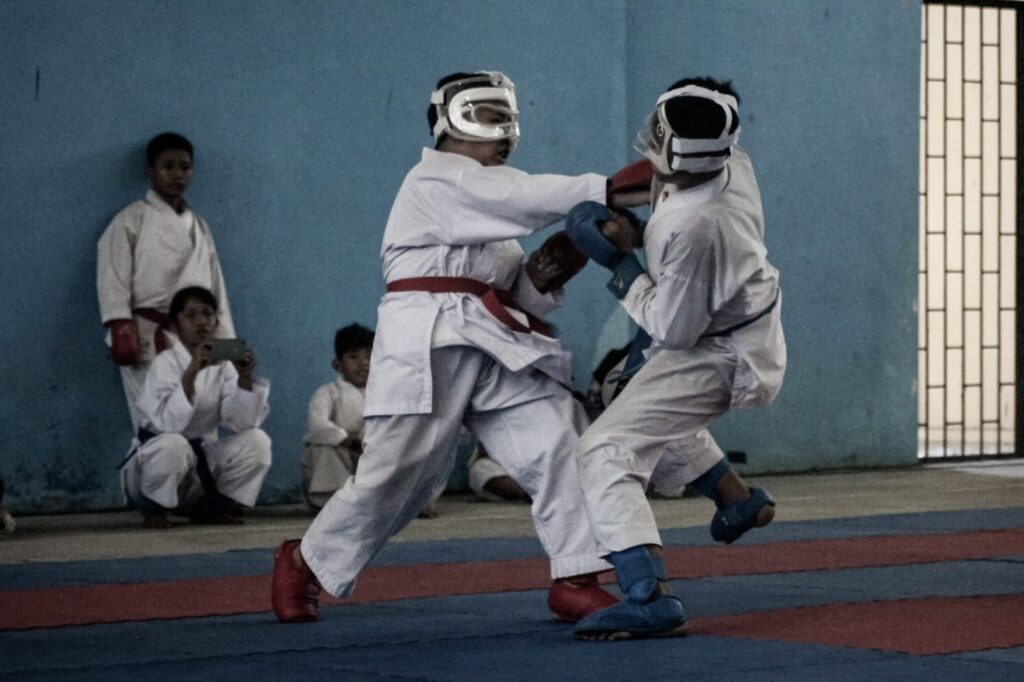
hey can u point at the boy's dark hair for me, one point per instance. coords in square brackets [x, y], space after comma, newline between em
[695, 117]
[187, 294]
[352, 337]
[431, 110]
[163, 142]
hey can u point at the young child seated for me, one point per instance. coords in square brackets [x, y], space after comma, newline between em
[334, 440]
[178, 463]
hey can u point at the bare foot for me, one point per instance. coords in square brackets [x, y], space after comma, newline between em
[765, 516]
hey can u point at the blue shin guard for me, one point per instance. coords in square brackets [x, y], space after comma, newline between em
[733, 520]
[645, 613]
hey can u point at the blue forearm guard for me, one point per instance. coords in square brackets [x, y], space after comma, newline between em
[624, 273]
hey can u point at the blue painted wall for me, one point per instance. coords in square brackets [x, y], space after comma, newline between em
[306, 116]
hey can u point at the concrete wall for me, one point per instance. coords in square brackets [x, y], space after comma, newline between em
[305, 117]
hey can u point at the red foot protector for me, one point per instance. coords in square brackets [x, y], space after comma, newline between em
[572, 601]
[923, 627]
[294, 590]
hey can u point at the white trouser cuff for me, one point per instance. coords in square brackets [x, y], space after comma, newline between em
[334, 585]
[567, 567]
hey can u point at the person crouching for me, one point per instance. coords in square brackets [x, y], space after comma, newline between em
[179, 464]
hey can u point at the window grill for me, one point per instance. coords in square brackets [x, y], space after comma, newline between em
[969, 402]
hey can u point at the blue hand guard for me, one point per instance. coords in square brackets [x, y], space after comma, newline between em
[583, 224]
[624, 273]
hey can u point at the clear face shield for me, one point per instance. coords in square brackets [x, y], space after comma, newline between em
[481, 108]
[652, 140]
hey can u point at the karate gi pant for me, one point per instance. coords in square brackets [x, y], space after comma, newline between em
[659, 420]
[163, 469]
[133, 377]
[523, 419]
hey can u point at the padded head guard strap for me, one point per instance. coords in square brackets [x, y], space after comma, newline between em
[671, 144]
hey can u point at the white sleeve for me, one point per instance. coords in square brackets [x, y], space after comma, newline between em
[496, 202]
[674, 311]
[323, 431]
[115, 256]
[241, 409]
[163, 402]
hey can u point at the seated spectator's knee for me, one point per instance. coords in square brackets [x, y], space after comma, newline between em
[257, 444]
[168, 453]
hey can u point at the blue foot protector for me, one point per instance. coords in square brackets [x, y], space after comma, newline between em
[662, 616]
[733, 520]
[645, 613]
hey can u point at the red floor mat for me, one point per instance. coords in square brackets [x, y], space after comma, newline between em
[202, 597]
[937, 625]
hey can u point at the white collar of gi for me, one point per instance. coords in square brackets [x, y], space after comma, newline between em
[693, 196]
[157, 202]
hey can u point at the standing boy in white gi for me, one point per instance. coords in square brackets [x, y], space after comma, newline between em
[455, 345]
[334, 439]
[710, 301]
[180, 463]
[151, 249]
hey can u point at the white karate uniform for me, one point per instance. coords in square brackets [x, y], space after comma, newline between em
[335, 416]
[707, 271]
[440, 360]
[146, 254]
[163, 468]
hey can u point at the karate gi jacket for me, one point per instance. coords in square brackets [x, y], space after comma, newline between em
[708, 271]
[218, 400]
[453, 217]
[149, 252]
[335, 414]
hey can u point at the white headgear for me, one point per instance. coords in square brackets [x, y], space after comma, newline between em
[459, 104]
[669, 152]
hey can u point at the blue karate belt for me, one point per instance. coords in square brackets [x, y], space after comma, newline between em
[635, 360]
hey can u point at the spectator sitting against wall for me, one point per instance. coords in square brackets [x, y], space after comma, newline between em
[334, 439]
[178, 463]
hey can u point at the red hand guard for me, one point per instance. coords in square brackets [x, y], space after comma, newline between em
[124, 342]
[631, 185]
[561, 250]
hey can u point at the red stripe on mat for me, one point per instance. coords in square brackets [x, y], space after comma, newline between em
[52, 607]
[936, 625]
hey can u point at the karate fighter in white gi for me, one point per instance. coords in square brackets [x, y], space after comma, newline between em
[709, 301]
[178, 463]
[150, 250]
[458, 342]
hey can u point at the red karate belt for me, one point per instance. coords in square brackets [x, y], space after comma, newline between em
[496, 301]
[160, 319]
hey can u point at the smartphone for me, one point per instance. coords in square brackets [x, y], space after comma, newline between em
[228, 349]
